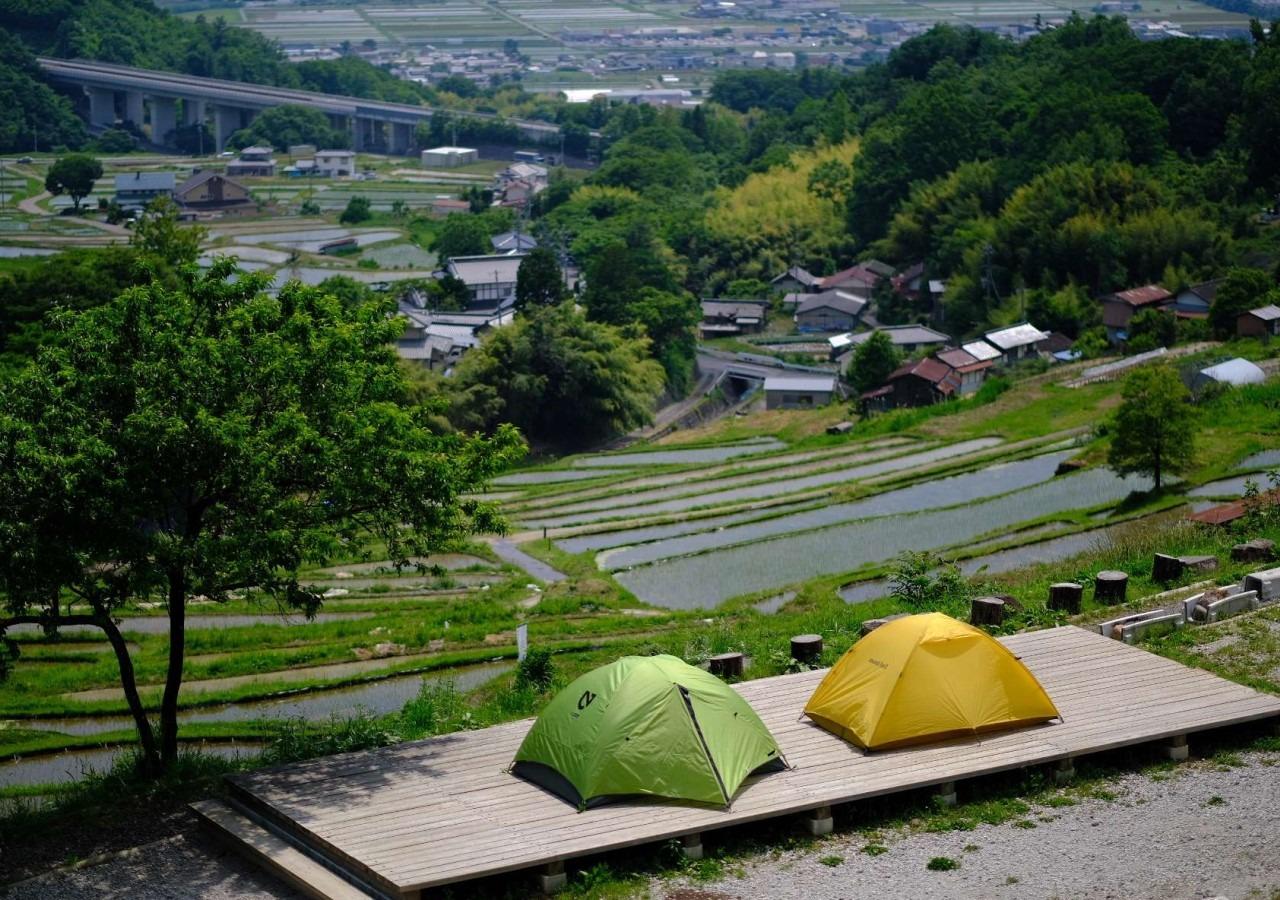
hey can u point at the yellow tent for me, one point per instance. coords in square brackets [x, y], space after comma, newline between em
[925, 678]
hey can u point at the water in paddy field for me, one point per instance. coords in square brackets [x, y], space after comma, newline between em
[377, 697]
[1258, 460]
[602, 540]
[950, 491]
[551, 476]
[652, 503]
[1229, 487]
[676, 456]
[160, 624]
[705, 580]
[72, 765]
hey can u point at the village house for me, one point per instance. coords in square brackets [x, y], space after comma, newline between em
[860, 279]
[917, 383]
[335, 163]
[1193, 302]
[721, 317]
[137, 189]
[910, 282]
[513, 242]
[490, 280]
[1016, 342]
[981, 351]
[832, 310]
[798, 391]
[796, 280]
[907, 338]
[1119, 308]
[970, 370]
[208, 191]
[1262, 322]
[254, 162]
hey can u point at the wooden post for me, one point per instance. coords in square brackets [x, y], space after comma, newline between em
[1110, 586]
[553, 878]
[727, 665]
[1065, 596]
[820, 821]
[806, 648]
[986, 611]
[1166, 568]
[946, 794]
[691, 846]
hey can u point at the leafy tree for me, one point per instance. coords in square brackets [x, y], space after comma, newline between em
[281, 126]
[160, 234]
[873, 362]
[210, 439]
[539, 281]
[563, 380]
[31, 112]
[461, 234]
[358, 210]
[1241, 290]
[1153, 431]
[73, 175]
[1152, 328]
[116, 140]
[670, 319]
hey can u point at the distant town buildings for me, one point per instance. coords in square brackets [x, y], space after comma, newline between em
[134, 190]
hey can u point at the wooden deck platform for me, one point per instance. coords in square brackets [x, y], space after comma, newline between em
[439, 811]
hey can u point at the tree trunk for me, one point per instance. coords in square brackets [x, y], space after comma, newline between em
[173, 677]
[986, 611]
[128, 681]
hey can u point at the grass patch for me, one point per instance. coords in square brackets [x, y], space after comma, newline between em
[942, 864]
[831, 861]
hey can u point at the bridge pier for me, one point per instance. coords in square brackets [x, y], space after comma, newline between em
[133, 108]
[369, 135]
[102, 106]
[193, 111]
[164, 118]
[226, 121]
[401, 138]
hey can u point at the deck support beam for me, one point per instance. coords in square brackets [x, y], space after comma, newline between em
[820, 821]
[691, 846]
[553, 878]
[1064, 770]
[945, 794]
[1175, 748]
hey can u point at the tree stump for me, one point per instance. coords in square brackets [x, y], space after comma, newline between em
[986, 611]
[1199, 563]
[727, 665]
[1109, 587]
[1166, 568]
[806, 648]
[871, 625]
[1065, 596]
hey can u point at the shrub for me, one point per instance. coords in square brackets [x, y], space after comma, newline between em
[297, 739]
[942, 864]
[924, 580]
[438, 709]
[536, 670]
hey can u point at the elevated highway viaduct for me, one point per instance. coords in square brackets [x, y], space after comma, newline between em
[126, 93]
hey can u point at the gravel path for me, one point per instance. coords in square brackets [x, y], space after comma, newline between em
[183, 867]
[1202, 832]
[509, 552]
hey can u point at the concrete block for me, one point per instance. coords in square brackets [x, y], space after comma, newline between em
[691, 846]
[1266, 583]
[820, 821]
[553, 878]
[1064, 771]
[1257, 550]
[1199, 563]
[1176, 749]
[1232, 606]
[1152, 626]
[946, 794]
[1166, 568]
[1113, 628]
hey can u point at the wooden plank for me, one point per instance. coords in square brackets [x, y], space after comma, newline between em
[435, 812]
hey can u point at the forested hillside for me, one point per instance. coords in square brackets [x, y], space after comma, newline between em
[1031, 177]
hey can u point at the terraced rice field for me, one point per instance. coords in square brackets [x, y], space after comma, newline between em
[693, 527]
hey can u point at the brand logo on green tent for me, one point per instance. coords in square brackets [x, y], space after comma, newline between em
[585, 700]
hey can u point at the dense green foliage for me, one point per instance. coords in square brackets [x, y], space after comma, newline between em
[564, 380]
[873, 362]
[205, 438]
[538, 280]
[282, 126]
[1154, 427]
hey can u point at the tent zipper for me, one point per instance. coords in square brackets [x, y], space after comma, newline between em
[688, 705]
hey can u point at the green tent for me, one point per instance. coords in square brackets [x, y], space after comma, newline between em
[646, 725]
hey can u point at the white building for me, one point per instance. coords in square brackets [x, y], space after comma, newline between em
[449, 157]
[335, 163]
